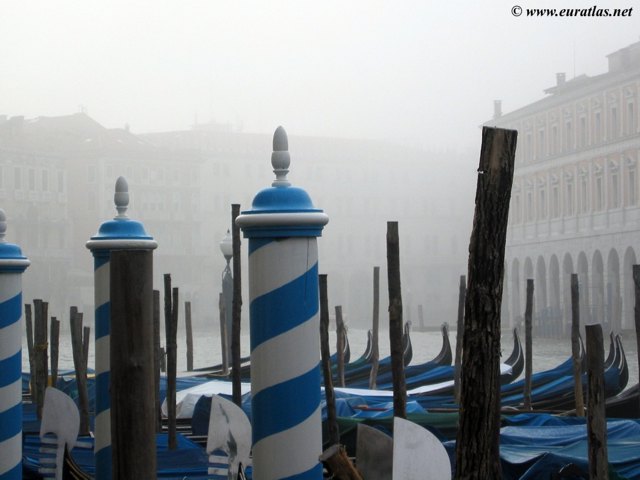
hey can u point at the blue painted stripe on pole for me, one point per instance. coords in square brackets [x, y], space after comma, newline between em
[15, 472]
[10, 311]
[103, 401]
[285, 315]
[313, 473]
[103, 320]
[256, 243]
[11, 422]
[11, 369]
[100, 258]
[303, 394]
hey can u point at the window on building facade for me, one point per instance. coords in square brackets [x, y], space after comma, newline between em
[517, 215]
[599, 194]
[597, 128]
[614, 123]
[568, 204]
[553, 144]
[615, 190]
[568, 136]
[631, 119]
[583, 131]
[528, 154]
[542, 204]
[632, 187]
[45, 180]
[584, 195]
[541, 144]
[555, 202]
[530, 206]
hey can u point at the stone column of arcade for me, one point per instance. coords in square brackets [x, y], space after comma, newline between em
[121, 233]
[12, 265]
[282, 227]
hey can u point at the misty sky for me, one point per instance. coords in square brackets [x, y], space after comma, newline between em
[419, 72]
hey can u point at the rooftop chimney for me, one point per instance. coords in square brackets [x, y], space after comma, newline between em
[560, 78]
[497, 109]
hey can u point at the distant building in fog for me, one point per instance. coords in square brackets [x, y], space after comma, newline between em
[57, 178]
[575, 199]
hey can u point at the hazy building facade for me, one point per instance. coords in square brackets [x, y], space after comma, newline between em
[575, 199]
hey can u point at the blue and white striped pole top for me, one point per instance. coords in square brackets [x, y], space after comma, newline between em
[12, 265]
[121, 233]
[282, 227]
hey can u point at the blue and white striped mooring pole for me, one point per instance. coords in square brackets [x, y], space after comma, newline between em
[121, 233]
[282, 227]
[12, 265]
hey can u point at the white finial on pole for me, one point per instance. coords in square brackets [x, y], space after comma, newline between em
[121, 197]
[280, 158]
[3, 225]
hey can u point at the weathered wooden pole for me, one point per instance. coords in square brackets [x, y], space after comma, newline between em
[171, 329]
[80, 365]
[477, 445]
[375, 352]
[189, 334]
[236, 308]
[462, 293]
[121, 233]
[86, 336]
[395, 321]
[40, 310]
[132, 369]
[528, 344]
[596, 418]
[332, 420]
[156, 358]
[31, 353]
[575, 345]
[340, 336]
[282, 227]
[12, 266]
[636, 311]
[54, 335]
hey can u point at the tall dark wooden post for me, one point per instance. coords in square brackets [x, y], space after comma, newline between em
[477, 446]
[395, 321]
[55, 345]
[528, 344]
[340, 335]
[375, 352]
[171, 328]
[40, 309]
[332, 421]
[462, 293]
[596, 418]
[575, 345]
[189, 334]
[156, 357]
[236, 315]
[75, 322]
[132, 369]
[32, 359]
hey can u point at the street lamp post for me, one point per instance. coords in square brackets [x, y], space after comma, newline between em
[226, 247]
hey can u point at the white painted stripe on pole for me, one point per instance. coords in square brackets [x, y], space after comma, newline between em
[10, 395]
[11, 286]
[284, 260]
[299, 456]
[102, 284]
[11, 453]
[271, 361]
[10, 340]
[102, 354]
[103, 425]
